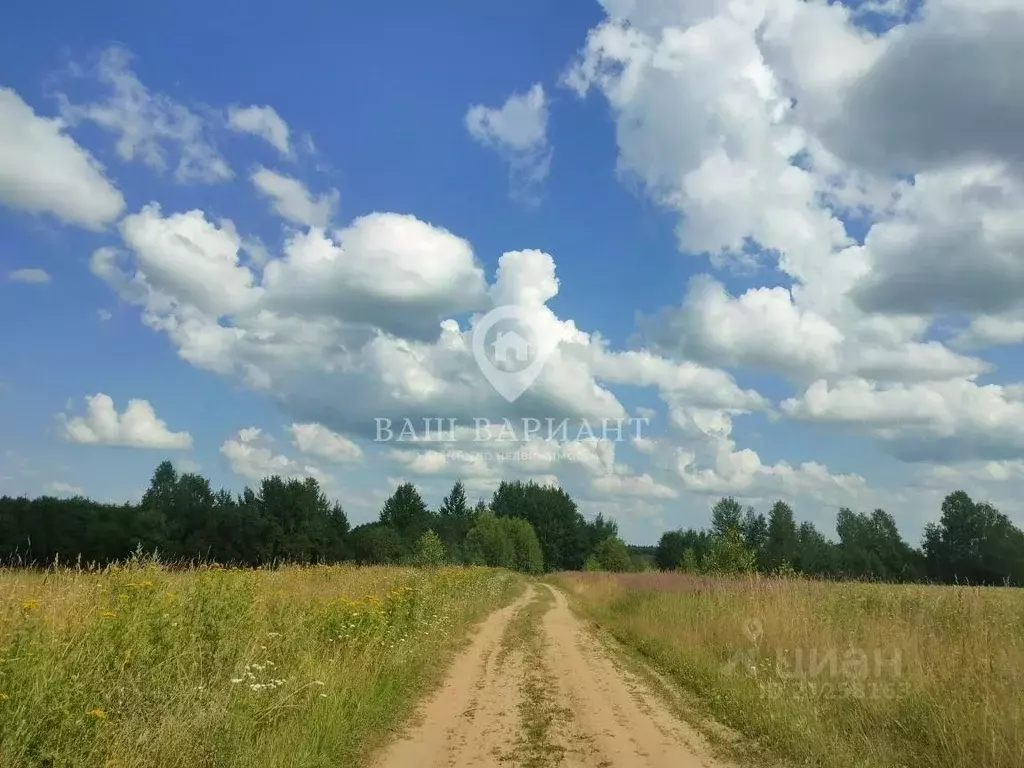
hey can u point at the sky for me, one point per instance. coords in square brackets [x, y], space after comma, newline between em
[781, 238]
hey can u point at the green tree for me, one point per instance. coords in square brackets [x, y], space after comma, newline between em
[612, 555]
[529, 558]
[689, 562]
[816, 555]
[429, 550]
[755, 534]
[599, 529]
[407, 513]
[455, 517]
[376, 543]
[871, 547]
[783, 538]
[727, 514]
[728, 554]
[974, 543]
[560, 528]
[454, 504]
[488, 543]
[156, 509]
[669, 553]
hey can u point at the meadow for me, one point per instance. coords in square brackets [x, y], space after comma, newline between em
[829, 674]
[141, 665]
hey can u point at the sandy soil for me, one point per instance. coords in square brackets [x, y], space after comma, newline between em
[535, 688]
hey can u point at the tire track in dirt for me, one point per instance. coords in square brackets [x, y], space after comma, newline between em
[617, 721]
[536, 689]
[472, 720]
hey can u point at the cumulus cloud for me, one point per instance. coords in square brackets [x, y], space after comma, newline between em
[43, 170]
[263, 122]
[871, 261]
[186, 257]
[633, 485]
[152, 128]
[317, 440]
[954, 243]
[955, 420]
[65, 489]
[771, 130]
[137, 427]
[292, 201]
[767, 328]
[29, 275]
[900, 118]
[250, 455]
[517, 130]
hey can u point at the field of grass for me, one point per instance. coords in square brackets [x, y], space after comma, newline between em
[831, 674]
[143, 666]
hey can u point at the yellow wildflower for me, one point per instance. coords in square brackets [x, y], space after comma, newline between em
[107, 614]
[4, 697]
[28, 605]
[98, 713]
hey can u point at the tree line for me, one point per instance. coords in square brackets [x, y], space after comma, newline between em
[971, 543]
[524, 526]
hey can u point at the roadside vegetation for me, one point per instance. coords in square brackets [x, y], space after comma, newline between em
[827, 673]
[141, 665]
[319, 635]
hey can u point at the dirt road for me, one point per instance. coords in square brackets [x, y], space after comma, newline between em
[534, 688]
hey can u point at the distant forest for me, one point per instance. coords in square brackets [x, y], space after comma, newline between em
[524, 526]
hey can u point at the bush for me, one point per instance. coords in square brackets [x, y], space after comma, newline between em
[429, 550]
[729, 554]
[613, 555]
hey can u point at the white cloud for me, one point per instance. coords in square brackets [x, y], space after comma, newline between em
[769, 129]
[766, 328]
[263, 122]
[899, 117]
[735, 117]
[763, 328]
[137, 427]
[633, 485]
[938, 421]
[317, 440]
[43, 170]
[150, 125]
[954, 243]
[517, 130]
[186, 257]
[292, 201]
[29, 276]
[392, 271]
[65, 489]
[250, 454]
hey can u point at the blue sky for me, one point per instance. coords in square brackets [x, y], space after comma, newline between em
[678, 171]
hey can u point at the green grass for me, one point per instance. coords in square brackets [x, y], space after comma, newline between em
[831, 674]
[537, 708]
[142, 666]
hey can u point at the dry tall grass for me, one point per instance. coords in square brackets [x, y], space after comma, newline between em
[141, 666]
[833, 674]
